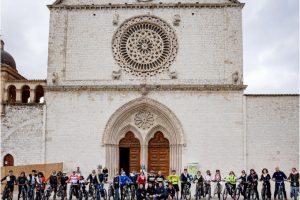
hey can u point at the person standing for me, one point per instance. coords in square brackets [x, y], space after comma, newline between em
[294, 178]
[265, 177]
[10, 181]
[22, 181]
[279, 178]
[174, 180]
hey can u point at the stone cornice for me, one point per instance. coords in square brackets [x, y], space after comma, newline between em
[271, 95]
[147, 88]
[28, 81]
[146, 6]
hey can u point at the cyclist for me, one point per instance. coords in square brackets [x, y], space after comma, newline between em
[174, 181]
[265, 177]
[217, 178]
[160, 192]
[279, 177]
[82, 184]
[150, 192]
[133, 177]
[40, 183]
[74, 180]
[294, 178]
[32, 178]
[123, 179]
[171, 191]
[100, 181]
[159, 178]
[243, 179]
[10, 181]
[230, 180]
[116, 186]
[92, 179]
[22, 181]
[105, 172]
[53, 180]
[207, 181]
[63, 179]
[141, 192]
[253, 179]
[185, 180]
[198, 178]
[142, 179]
[151, 177]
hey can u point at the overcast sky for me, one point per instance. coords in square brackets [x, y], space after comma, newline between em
[270, 33]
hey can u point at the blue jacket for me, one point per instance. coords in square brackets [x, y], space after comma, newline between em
[124, 179]
[279, 176]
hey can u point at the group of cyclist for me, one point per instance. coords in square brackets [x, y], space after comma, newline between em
[151, 185]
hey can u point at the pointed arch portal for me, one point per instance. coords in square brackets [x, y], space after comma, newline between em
[146, 120]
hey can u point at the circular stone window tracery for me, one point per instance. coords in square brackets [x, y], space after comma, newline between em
[145, 46]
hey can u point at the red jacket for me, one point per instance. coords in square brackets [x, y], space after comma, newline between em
[141, 180]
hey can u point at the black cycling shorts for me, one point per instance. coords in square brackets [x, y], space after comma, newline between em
[176, 187]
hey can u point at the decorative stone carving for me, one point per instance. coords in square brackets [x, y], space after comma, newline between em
[173, 75]
[116, 19]
[116, 75]
[145, 46]
[144, 119]
[235, 77]
[176, 20]
[144, 91]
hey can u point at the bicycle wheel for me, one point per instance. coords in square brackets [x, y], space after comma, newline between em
[24, 194]
[209, 193]
[280, 194]
[104, 194]
[263, 193]
[237, 193]
[225, 194]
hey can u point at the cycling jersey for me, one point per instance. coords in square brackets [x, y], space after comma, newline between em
[92, 178]
[10, 180]
[74, 179]
[174, 179]
[124, 179]
[151, 179]
[231, 179]
[52, 179]
[184, 177]
[159, 179]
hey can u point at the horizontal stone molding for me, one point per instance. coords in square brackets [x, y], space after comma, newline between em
[149, 88]
[146, 6]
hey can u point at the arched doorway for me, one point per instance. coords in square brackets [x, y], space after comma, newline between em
[129, 153]
[25, 94]
[11, 94]
[159, 154]
[8, 160]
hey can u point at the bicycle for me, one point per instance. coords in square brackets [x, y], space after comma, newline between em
[23, 194]
[91, 191]
[82, 193]
[264, 191]
[199, 190]
[48, 193]
[294, 190]
[238, 191]
[186, 192]
[280, 190]
[250, 192]
[61, 192]
[207, 190]
[73, 191]
[40, 195]
[219, 189]
[125, 192]
[132, 191]
[229, 189]
[110, 192]
[30, 193]
[100, 192]
[7, 194]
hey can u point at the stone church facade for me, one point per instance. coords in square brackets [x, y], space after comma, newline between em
[149, 83]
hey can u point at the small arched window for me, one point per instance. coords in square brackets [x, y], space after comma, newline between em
[11, 92]
[39, 93]
[25, 94]
[8, 160]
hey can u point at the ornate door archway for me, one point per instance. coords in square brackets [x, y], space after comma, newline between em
[129, 153]
[159, 154]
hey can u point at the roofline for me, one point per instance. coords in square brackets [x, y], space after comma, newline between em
[270, 95]
[58, 5]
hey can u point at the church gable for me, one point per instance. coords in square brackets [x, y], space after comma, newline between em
[98, 2]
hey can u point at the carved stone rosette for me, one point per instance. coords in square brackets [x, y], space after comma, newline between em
[145, 46]
[144, 119]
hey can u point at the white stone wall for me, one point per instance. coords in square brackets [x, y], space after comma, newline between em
[212, 124]
[23, 133]
[272, 132]
[209, 39]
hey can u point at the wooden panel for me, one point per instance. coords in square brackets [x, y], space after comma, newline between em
[8, 160]
[129, 141]
[159, 154]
